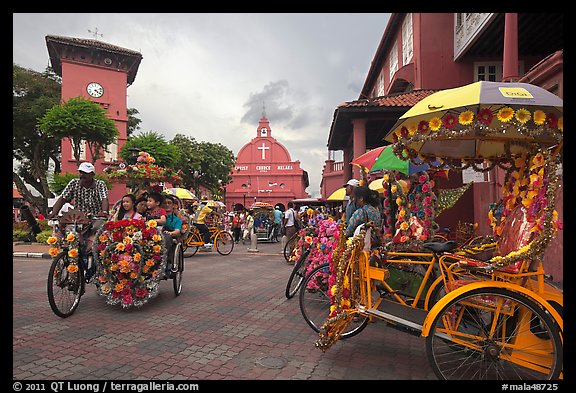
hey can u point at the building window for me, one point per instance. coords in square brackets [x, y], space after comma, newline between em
[282, 185]
[82, 151]
[407, 48]
[393, 60]
[380, 85]
[491, 71]
[111, 152]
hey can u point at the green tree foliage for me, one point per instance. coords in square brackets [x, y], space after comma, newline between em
[206, 163]
[133, 122]
[33, 93]
[81, 120]
[165, 154]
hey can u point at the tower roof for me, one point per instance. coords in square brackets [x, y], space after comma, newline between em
[103, 53]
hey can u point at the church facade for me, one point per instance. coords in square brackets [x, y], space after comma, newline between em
[265, 172]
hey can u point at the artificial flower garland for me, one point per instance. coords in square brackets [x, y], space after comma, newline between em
[534, 186]
[70, 243]
[132, 259]
[340, 288]
[143, 170]
[415, 215]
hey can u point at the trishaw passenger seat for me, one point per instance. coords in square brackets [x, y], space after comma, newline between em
[516, 233]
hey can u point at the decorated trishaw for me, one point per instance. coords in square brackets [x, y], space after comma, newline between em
[128, 257]
[263, 213]
[497, 317]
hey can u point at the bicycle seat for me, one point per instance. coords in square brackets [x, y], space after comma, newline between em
[439, 247]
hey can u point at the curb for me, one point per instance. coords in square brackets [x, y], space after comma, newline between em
[20, 254]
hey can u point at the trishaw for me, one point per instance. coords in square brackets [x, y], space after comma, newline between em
[494, 318]
[219, 235]
[264, 222]
[128, 258]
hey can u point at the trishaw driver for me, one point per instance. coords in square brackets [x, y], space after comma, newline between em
[90, 195]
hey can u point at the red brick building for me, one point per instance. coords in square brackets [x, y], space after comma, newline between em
[102, 73]
[420, 53]
[265, 172]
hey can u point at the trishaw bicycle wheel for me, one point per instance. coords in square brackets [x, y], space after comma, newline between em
[64, 288]
[488, 333]
[297, 275]
[315, 302]
[224, 243]
[177, 275]
[192, 250]
[289, 246]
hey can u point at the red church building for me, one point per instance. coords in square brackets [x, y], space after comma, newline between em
[102, 73]
[265, 172]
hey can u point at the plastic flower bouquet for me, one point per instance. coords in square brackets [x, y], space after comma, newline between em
[132, 261]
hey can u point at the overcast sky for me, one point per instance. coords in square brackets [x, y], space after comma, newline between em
[208, 75]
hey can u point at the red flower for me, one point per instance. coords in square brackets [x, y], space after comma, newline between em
[449, 120]
[404, 132]
[423, 127]
[485, 116]
[552, 120]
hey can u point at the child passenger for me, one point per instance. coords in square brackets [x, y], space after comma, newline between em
[127, 211]
[155, 210]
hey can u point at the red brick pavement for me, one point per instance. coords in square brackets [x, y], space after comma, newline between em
[231, 322]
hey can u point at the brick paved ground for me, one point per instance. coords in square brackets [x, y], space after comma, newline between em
[231, 322]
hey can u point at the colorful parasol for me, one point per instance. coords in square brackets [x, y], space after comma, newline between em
[482, 120]
[383, 159]
[180, 193]
[338, 195]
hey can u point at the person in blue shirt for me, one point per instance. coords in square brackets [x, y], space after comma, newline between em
[367, 201]
[172, 229]
[351, 206]
[277, 222]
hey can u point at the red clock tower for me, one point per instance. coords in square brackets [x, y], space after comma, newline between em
[101, 72]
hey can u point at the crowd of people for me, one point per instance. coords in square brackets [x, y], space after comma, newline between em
[90, 195]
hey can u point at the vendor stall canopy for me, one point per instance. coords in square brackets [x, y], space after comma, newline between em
[482, 120]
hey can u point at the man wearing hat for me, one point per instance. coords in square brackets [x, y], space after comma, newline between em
[89, 195]
[351, 206]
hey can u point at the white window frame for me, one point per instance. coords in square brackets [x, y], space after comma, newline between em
[111, 152]
[380, 85]
[393, 60]
[499, 69]
[407, 40]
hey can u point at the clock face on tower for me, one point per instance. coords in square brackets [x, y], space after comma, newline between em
[95, 89]
[263, 131]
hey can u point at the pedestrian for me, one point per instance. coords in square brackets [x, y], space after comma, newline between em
[351, 205]
[277, 222]
[237, 226]
[249, 227]
[289, 222]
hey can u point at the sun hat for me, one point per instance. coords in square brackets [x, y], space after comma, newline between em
[352, 182]
[86, 167]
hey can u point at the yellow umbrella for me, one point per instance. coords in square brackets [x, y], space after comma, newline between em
[376, 185]
[338, 195]
[480, 120]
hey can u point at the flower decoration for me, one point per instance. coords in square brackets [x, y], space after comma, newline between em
[132, 261]
[69, 243]
[144, 170]
[415, 213]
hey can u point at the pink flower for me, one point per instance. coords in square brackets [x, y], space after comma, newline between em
[127, 299]
[426, 188]
[141, 292]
